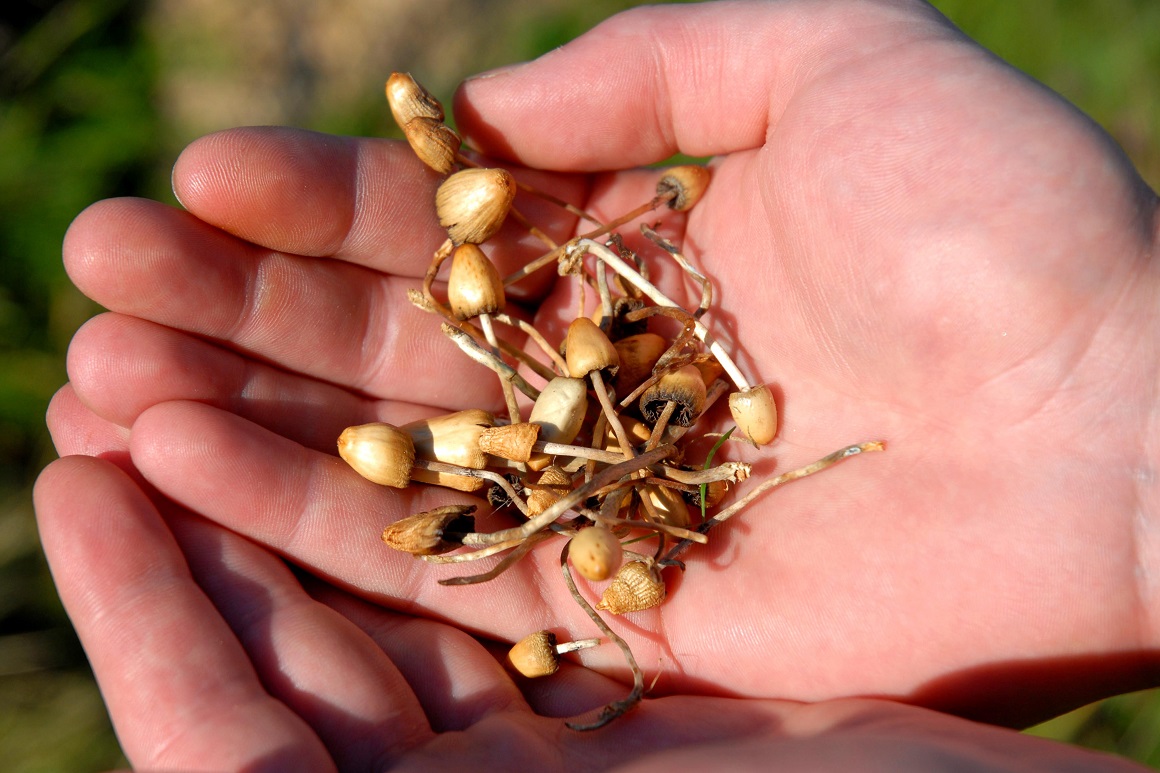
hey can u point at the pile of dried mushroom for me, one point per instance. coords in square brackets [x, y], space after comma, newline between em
[599, 460]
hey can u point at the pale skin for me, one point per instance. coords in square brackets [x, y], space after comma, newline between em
[909, 240]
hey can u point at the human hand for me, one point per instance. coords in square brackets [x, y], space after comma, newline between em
[213, 655]
[900, 231]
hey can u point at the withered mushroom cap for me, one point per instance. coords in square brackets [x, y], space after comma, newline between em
[431, 532]
[684, 387]
[636, 586]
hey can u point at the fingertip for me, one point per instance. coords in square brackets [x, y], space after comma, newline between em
[76, 430]
[256, 182]
[645, 84]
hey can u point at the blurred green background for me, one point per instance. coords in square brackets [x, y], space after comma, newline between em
[98, 96]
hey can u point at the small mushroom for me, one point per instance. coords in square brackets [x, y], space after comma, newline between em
[666, 505]
[475, 289]
[379, 452]
[755, 413]
[686, 184]
[472, 203]
[683, 387]
[420, 116]
[589, 353]
[513, 442]
[538, 654]
[552, 484]
[432, 532]
[559, 410]
[637, 586]
[638, 354]
[595, 553]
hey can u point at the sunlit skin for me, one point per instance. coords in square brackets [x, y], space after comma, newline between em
[907, 239]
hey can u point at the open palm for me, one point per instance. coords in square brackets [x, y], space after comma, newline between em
[909, 240]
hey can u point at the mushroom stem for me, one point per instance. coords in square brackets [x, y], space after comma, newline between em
[573, 498]
[578, 644]
[633, 276]
[509, 392]
[826, 461]
[671, 249]
[610, 413]
[476, 352]
[530, 331]
[662, 423]
[550, 257]
[521, 550]
[432, 306]
[616, 708]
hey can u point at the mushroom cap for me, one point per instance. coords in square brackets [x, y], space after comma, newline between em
[510, 441]
[434, 142]
[638, 354]
[755, 413]
[474, 286]
[688, 182]
[535, 655]
[588, 349]
[635, 587]
[379, 452]
[472, 203]
[452, 438]
[409, 100]
[595, 553]
[684, 387]
[432, 532]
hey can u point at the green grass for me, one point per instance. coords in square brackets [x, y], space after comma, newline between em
[84, 114]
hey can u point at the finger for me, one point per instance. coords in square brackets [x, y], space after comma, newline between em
[179, 687]
[865, 735]
[454, 678]
[323, 318]
[653, 81]
[122, 365]
[458, 679]
[307, 655]
[314, 509]
[77, 430]
[369, 202]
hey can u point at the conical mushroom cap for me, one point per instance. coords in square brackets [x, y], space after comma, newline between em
[432, 532]
[409, 100]
[472, 203]
[510, 441]
[435, 143]
[635, 587]
[595, 553]
[588, 349]
[552, 484]
[535, 655]
[637, 354]
[667, 505]
[755, 413]
[452, 438]
[379, 452]
[688, 182]
[474, 286]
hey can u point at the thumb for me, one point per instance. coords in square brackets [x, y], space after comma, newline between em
[647, 83]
